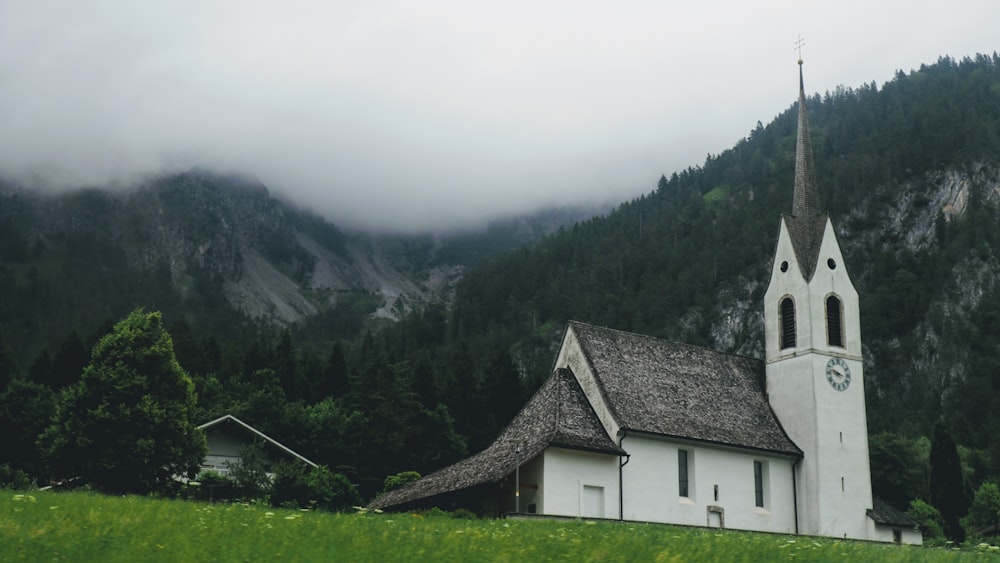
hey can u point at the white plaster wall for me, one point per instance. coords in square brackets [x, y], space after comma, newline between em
[790, 283]
[884, 534]
[567, 471]
[810, 300]
[913, 537]
[650, 490]
[837, 281]
[571, 356]
[830, 426]
[844, 488]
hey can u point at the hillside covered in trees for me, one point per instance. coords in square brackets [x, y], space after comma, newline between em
[909, 170]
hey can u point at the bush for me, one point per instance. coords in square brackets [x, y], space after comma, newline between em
[297, 485]
[399, 479]
[463, 514]
[248, 474]
[984, 514]
[212, 486]
[12, 478]
[930, 521]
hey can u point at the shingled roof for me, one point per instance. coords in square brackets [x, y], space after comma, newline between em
[808, 220]
[677, 390]
[885, 514]
[558, 414]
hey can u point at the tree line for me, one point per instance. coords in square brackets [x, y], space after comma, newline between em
[674, 263]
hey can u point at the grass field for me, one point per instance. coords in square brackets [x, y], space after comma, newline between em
[44, 526]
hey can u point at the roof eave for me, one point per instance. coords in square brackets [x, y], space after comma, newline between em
[793, 454]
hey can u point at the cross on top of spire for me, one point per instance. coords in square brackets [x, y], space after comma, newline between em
[798, 45]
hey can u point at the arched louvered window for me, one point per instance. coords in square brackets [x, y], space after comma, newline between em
[834, 321]
[787, 339]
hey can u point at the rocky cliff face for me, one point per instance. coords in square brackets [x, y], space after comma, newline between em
[911, 214]
[909, 222]
[273, 262]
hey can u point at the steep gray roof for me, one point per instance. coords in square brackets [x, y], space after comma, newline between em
[233, 422]
[807, 221]
[677, 390]
[558, 414]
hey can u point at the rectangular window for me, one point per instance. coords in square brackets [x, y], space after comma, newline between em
[758, 483]
[682, 473]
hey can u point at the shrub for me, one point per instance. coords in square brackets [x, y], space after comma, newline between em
[984, 514]
[399, 479]
[13, 478]
[297, 485]
[930, 521]
[212, 486]
[248, 474]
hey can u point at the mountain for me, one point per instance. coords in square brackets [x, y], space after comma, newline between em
[222, 252]
[910, 172]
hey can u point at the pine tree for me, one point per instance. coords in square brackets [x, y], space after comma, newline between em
[335, 377]
[947, 487]
[127, 425]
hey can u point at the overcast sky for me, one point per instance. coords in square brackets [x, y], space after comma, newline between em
[431, 113]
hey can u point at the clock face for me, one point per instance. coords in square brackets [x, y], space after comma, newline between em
[838, 373]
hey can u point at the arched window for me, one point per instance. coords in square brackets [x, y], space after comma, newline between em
[787, 334]
[834, 324]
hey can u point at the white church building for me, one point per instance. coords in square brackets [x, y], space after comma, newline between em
[631, 427]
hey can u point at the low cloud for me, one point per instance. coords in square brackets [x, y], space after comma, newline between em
[406, 116]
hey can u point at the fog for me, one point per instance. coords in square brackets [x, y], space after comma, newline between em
[438, 114]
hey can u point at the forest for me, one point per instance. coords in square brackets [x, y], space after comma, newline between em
[687, 261]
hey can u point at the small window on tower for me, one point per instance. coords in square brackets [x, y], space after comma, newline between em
[831, 263]
[784, 266]
[787, 329]
[834, 324]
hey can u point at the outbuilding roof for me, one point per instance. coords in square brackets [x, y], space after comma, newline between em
[558, 414]
[677, 390]
[884, 514]
[233, 422]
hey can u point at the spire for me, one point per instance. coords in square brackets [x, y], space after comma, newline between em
[808, 220]
[805, 200]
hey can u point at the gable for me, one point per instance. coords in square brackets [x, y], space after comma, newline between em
[227, 434]
[677, 390]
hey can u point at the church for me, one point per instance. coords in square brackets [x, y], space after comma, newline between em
[631, 427]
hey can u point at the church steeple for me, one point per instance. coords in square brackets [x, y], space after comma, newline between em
[805, 200]
[815, 368]
[807, 221]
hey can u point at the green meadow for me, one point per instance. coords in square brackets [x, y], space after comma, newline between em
[80, 526]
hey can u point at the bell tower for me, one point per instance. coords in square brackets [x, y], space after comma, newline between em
[815, 376]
